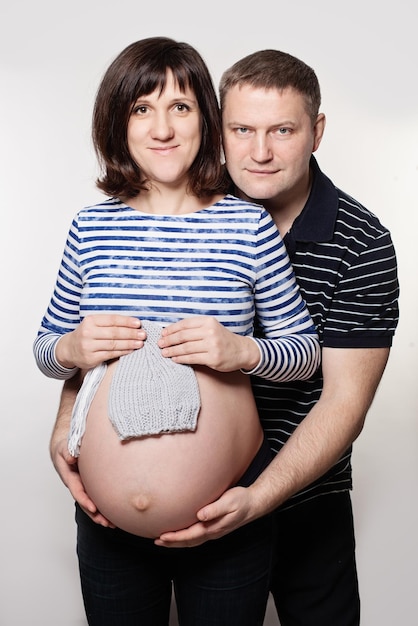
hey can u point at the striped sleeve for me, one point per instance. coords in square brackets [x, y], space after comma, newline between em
[289, 345]
[364, 311]
[63, 313]
[365, 308]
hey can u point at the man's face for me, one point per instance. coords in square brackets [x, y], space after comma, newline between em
[268, 141]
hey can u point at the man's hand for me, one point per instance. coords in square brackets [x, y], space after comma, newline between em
[99, 338]
[232, 510]
[351, 377]
[66, 467]
[202, 340]
[64, 463]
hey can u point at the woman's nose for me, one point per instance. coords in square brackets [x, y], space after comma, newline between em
[161, 127]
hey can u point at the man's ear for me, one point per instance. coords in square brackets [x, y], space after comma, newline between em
[319, 128]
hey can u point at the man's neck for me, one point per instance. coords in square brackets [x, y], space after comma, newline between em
[283, 214]
[284, 209]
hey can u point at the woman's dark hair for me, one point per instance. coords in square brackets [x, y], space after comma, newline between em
[138, 70]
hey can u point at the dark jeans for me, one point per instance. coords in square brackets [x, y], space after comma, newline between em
[127, 580]
[315, 577]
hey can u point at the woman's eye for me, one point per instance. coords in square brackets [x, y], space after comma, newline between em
[181, 107]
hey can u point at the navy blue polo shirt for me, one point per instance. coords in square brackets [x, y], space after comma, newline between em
[345, 264]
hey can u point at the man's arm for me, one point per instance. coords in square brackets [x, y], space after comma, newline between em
[98, 338]
[351, 377]
[64, 463]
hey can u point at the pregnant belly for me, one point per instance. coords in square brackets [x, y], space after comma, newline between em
[153, 484]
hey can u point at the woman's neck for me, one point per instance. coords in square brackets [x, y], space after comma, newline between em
[169, 202]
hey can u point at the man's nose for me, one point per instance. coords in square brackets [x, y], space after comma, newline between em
[260, 149]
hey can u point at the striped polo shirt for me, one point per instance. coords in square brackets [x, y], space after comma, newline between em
[227, 261]
[345, 264]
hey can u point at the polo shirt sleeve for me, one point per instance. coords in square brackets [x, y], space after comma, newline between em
[364, 311]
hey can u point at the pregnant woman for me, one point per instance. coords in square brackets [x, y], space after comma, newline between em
[185, 263]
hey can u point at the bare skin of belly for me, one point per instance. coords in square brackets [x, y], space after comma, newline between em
[153, 484]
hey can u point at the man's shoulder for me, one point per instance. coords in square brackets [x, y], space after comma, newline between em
[354, 214]
[330, 213]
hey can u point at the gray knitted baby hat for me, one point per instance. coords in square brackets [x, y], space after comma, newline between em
[150, 394]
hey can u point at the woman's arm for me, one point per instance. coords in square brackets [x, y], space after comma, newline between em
[289, 348]
[65, 342]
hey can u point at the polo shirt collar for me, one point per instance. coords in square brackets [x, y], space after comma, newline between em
[316, 222]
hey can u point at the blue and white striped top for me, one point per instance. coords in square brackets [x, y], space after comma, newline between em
[226, 261]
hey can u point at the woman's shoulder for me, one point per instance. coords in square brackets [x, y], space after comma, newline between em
[233, 203]
[231, 200]
[248, 211]
[108, 209]
[108, 205]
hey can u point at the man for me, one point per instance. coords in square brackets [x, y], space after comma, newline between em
[345, 264]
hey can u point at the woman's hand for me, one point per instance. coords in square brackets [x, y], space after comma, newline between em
[99, 338]
[202, 340]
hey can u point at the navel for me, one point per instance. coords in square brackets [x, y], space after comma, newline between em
[141, 502]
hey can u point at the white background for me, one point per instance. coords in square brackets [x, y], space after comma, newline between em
[52, 56]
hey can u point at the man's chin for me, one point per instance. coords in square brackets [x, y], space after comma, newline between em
[257, 194]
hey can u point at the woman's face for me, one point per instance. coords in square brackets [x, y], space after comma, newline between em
[164, 134]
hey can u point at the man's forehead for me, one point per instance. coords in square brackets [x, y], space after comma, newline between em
[260, 101]
[247, 90]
